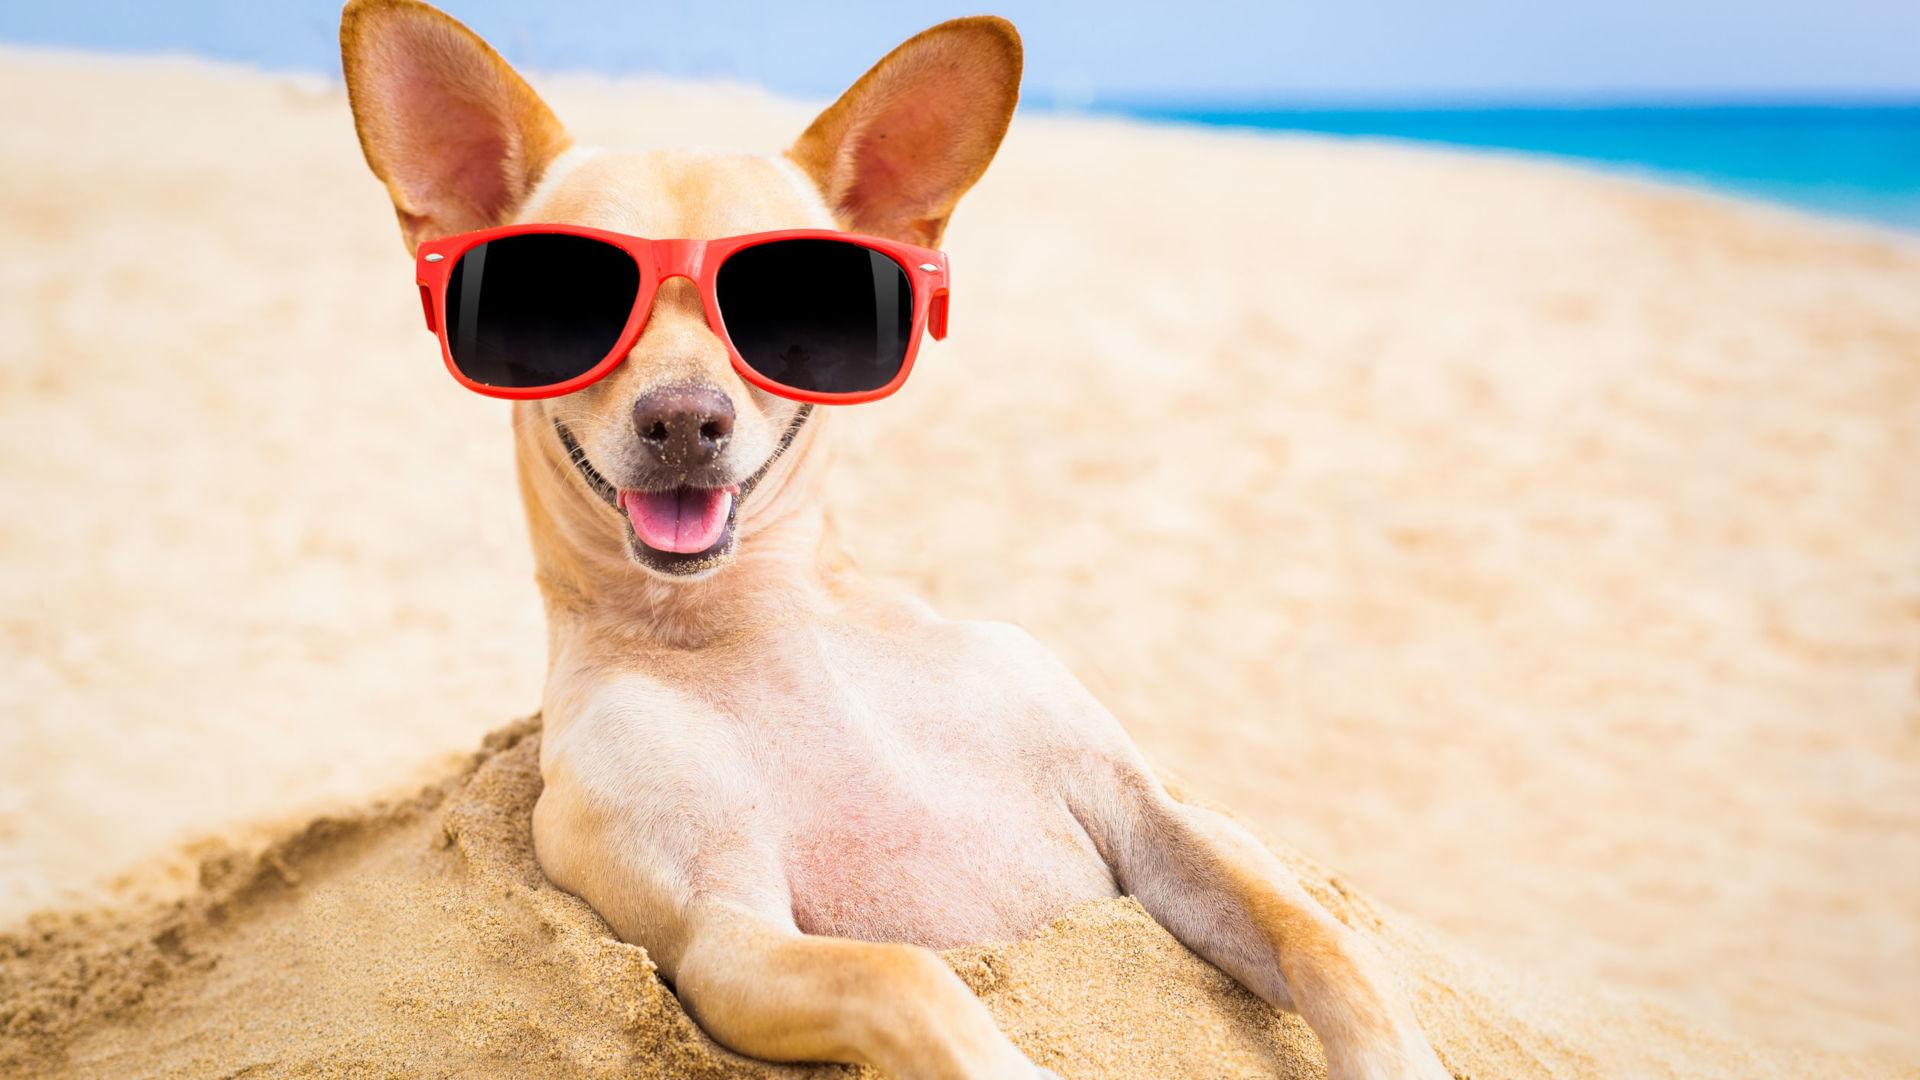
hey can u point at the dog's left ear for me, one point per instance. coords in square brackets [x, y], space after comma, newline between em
[900, 147]
[458, 137]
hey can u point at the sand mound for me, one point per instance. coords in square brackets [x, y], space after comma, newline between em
[419, 938]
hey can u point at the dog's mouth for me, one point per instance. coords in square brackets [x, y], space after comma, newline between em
[680, 528]
[681, 531]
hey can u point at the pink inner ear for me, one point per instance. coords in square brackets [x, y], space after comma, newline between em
[900, 162]
[924, 134]
[451, 145]
[460, 163]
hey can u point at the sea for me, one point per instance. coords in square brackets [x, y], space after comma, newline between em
[1852, 161]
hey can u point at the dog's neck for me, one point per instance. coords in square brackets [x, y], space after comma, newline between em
[591, 585]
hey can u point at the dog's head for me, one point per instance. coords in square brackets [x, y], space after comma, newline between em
[674, 437]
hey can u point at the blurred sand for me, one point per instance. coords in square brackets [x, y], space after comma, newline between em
[1542, 550]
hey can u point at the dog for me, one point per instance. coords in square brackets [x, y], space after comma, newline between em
[786, 782]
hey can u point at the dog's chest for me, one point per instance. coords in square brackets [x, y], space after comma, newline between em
[941, 863]
[915, 812]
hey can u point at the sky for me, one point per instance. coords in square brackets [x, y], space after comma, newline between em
[1078, 53]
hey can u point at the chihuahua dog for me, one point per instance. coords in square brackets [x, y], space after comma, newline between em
[790, 784]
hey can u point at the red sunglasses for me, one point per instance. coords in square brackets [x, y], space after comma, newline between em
[535, 311]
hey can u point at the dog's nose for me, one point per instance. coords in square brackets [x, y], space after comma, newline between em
[685, 426]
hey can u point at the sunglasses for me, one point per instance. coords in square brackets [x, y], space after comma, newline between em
[536, 311]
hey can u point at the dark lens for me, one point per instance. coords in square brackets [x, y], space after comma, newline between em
[819, 315]
[539, 308]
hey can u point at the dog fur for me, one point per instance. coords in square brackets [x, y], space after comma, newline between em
[791, 784]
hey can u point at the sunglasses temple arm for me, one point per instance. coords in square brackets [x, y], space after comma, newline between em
[937, 314]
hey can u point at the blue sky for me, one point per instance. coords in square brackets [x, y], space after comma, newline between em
[1466, 51]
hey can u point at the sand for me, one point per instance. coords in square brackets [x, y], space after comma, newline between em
[420, 939]
[1536, 547]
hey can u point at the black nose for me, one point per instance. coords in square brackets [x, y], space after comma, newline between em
[685, 426]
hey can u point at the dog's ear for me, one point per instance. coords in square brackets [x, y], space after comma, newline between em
[458, 137]
[895, 153]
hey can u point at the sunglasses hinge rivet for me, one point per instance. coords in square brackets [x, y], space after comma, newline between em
[436, 257]
[928, 267]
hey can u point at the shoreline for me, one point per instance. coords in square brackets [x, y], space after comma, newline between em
[1149, 116]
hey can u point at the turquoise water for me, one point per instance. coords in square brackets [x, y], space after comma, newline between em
[1861, 162]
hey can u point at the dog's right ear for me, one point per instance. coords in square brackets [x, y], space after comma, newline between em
[458, 137]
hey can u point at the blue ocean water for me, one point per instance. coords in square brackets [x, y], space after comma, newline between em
[1857, 161]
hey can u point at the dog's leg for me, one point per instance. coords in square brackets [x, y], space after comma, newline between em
[762, 988]
[1225, 896]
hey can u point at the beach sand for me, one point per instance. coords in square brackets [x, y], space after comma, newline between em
[421, 939]
[1537, 548]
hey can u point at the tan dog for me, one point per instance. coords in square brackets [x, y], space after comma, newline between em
[787, 783]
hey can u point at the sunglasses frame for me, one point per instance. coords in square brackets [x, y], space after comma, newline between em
[698, 261]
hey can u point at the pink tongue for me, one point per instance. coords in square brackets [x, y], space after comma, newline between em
[683, 520]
